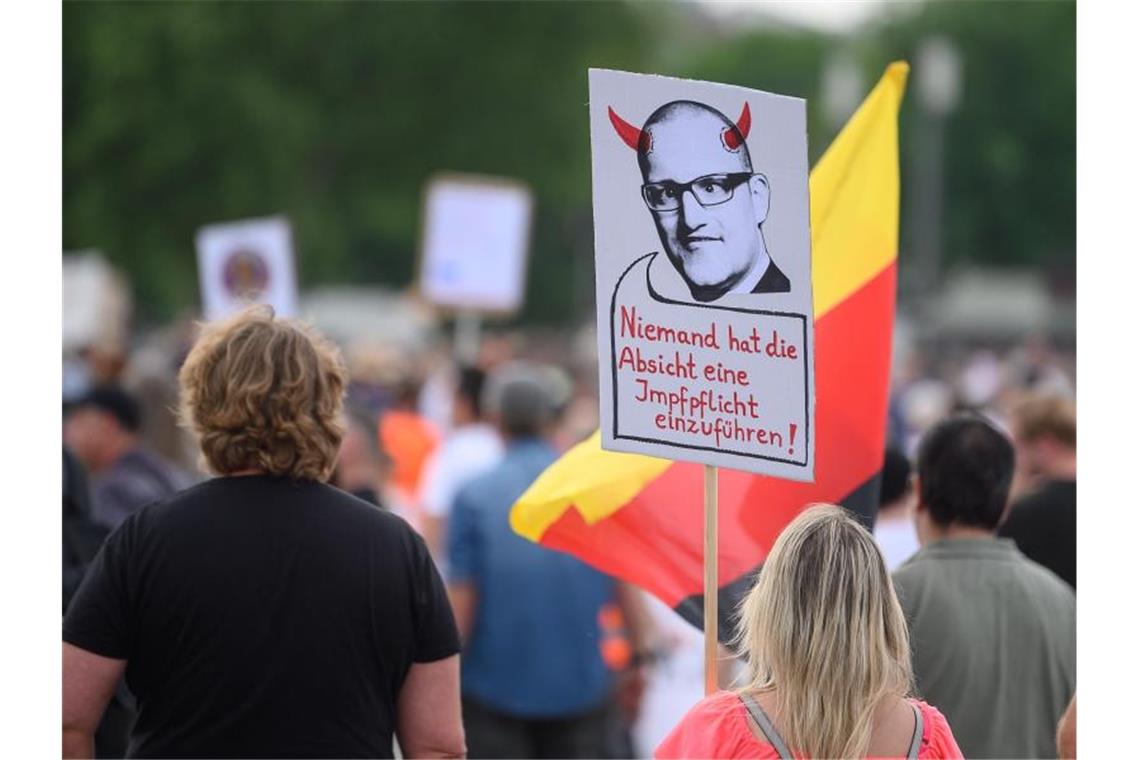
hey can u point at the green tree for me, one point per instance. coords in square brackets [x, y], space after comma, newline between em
[180, 114]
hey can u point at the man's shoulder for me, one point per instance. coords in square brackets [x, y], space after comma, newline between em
[773, 280]
[1043, 582]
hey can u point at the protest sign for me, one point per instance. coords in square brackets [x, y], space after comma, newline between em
[703, 262]
[244, 262]
[475, 242]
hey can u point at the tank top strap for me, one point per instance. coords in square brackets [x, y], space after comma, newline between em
[766, 727]
[916, 740]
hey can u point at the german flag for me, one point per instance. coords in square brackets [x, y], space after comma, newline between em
[641, 519]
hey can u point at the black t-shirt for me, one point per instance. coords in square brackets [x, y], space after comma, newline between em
[263, 617]
[1044, 526]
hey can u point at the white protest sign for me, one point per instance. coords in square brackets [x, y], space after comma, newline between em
[703, 256]
[475, 243]
[244, 262]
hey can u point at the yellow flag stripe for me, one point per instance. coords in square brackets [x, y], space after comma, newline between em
[855, 197]
[597, 482]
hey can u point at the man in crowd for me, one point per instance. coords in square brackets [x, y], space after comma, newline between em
[1043, 523]
[362, 468]
[102, 429]
[471, 448]
[894, 524]
[534, 681]
[993, 633]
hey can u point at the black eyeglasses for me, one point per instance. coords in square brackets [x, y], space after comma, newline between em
[710, 190]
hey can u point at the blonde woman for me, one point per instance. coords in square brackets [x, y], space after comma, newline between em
[264, 613]
[829, 660]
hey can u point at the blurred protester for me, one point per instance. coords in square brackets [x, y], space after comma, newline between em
[409, 439]
[82, 538]
[1067, 731]
[362, 469]
[264, 613]
[980, 379]
[1036, 368]
[534, 681]
[894, 525]
[829, 659]
[1043, 522]
[102, 428]
[675, 676]
[472, 447]
[923, 403]
[994, 633]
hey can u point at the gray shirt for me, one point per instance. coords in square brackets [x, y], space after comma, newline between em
[994, 642]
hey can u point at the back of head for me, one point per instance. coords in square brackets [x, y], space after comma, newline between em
[114, 401]
[264, 394]
[965, 467]
[1038, 416]
[896, 477]
[470, 389]
[517, 398]
[823, 627]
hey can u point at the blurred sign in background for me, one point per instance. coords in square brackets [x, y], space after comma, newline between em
[244, 262]
[475, 239]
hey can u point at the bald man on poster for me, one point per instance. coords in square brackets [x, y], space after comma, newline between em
[707, 203]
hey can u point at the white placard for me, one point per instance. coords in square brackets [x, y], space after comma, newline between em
[475, 243]
[244, 262]
[703, 254]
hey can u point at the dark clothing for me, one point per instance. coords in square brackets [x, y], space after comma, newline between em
[1044, 526]
[82, 536]
[492, 734]
[136, 479]
[263, 617]
[773, 280]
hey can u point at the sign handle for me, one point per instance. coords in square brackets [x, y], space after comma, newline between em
[468, 329]
[711, 587]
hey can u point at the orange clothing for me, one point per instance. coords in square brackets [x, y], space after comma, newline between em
[408, 439]
[717, 727]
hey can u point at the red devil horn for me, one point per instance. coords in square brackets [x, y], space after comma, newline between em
[628, 133]
[743, 125]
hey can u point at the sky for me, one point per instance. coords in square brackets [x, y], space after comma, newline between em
[828, 16]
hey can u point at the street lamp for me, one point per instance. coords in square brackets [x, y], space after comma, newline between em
[939, 79]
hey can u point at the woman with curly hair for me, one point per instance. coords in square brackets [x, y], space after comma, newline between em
[264, 613]
[828, 656]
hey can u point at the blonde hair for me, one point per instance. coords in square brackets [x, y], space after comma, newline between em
[1037, 416]
[823, 628]
[265, 394]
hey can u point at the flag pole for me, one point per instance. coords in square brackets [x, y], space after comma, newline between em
[710, 579]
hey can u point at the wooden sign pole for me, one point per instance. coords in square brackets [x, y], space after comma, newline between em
[711, 587]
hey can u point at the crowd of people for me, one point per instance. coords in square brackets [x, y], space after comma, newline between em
[333, 572]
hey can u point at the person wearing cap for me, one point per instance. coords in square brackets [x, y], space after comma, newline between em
[102, 429]
[534, 681]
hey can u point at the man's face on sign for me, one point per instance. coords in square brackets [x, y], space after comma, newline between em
[711, 235]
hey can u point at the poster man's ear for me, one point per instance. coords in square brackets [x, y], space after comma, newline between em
[761, 196]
